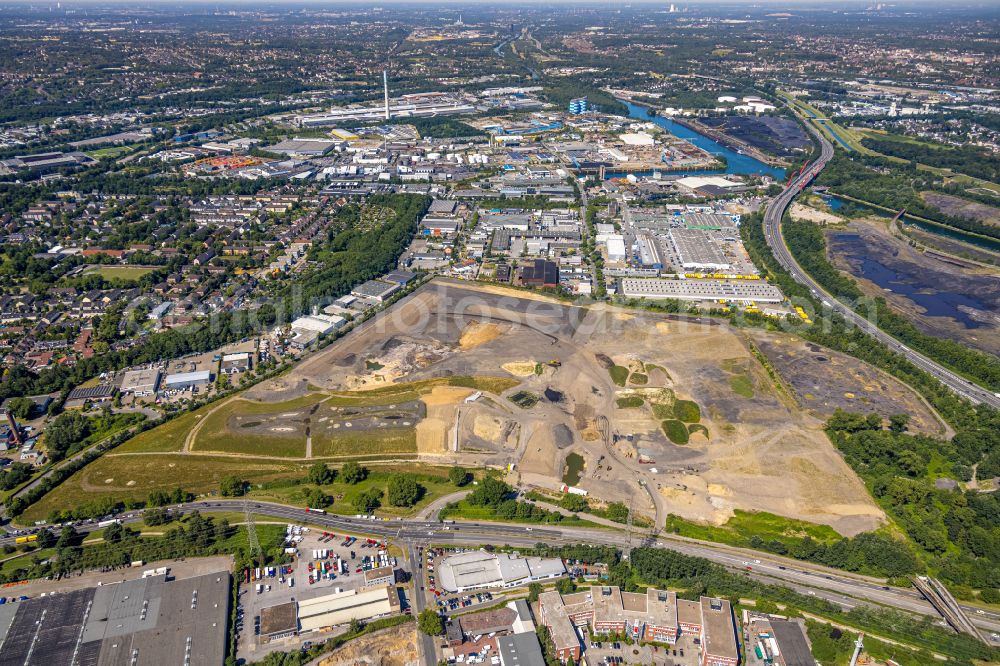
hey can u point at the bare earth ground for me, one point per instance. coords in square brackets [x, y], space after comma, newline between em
[959, 207]
[393, 647]
[764, 448]
[810, 214]
[762, 452]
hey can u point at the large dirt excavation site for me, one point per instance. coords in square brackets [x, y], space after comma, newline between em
[668, 414]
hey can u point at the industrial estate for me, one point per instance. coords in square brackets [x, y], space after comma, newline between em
[532, 336]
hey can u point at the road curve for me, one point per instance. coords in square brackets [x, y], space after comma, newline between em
[772, 232]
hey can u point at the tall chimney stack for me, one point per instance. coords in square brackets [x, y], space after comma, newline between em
[385, 84]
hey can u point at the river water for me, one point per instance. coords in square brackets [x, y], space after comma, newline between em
[737, 163]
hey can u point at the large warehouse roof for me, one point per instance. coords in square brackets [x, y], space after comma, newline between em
[340, 608]
[467, 571]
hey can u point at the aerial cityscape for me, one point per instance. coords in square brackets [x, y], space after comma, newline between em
[517, 334]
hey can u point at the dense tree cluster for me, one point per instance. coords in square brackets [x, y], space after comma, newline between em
[958, 530]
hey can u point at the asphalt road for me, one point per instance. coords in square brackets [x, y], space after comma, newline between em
[772, 231]
[842, 588]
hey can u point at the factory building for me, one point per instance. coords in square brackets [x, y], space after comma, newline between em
[375, 290]
[141, 383]
[480, 570]
[340, 608]
[186, 380]
[650, 255]
[149, 620]
[738, 291]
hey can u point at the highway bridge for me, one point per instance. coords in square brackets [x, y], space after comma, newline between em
[772, 231]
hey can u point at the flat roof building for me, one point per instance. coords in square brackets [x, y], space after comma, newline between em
[654, 616]
[380, 576]
[340, 608]
[279, 621]
[520, 650]
[739, 291]
[375, 290]
[145, 621]
[321, 324]
[141, 383]
[235, 363]
[183, 380]
[479, 569]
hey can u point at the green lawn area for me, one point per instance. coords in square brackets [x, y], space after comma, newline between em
[741, 385]
[166, 437]
[434, 480]
[111, 151]
[746, 524]
[619, 374]
[366, 443]
[120, 272]
[133, 477]
[25, 561]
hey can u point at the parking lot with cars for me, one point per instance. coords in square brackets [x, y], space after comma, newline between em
[320, 563]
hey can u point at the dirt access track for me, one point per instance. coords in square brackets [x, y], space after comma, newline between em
[602, 381]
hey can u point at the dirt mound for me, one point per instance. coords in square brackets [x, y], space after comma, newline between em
[478, 333]
[393, 647]
[520, 368]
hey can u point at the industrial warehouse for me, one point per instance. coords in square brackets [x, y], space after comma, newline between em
[329, 610]
[143, 622]
[654, 616]
[739, 291]
[478, 570]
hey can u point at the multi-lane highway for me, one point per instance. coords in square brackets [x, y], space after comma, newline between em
[772, 231]
[842, 588]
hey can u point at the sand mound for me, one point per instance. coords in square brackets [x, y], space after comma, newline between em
[487, 427]
[478, 333]
[519, 368]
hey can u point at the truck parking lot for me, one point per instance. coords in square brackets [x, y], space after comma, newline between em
[321, 563]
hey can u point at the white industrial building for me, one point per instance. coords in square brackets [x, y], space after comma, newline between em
[184, 380]
[340, 608]
[318, 323]
[478, 570]
[616, 248]
[739, 291]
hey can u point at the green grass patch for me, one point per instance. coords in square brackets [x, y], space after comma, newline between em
[697, 429]
[676, 431]
[133, 477]
[25, 561]
[120, 272]
[524, 399]
[687, 411]
[630, 402]
[619, 374]
[434, 481]
[638, 378]
[365, 443]
[741, 385]
[744, 525]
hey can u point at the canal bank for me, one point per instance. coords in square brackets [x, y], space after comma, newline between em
[736, 163]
